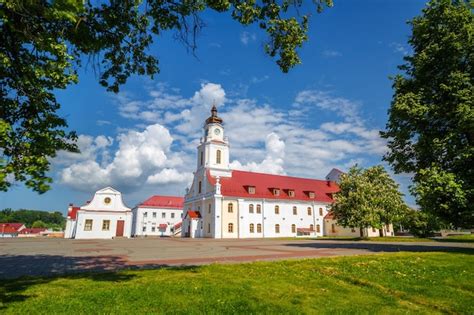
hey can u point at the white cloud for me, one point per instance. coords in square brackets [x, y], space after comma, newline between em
[169, 175]
[274, 159]
[399, 48]
[331, 53]
[246, 38]
[139, 154]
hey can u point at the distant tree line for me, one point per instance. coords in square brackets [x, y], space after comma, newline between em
[34, 218]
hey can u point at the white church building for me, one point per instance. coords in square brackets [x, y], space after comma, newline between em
[225, 203]
[105, 216]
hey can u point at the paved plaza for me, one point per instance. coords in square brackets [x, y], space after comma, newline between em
[32, 257]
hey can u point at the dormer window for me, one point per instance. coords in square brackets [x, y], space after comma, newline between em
[310, 194]
[276, 191]
[251, 190]
[291, 193]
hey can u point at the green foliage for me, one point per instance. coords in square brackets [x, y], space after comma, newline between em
[430, 130]
[403, 283]
[38, 224]
[367, 198]
[43, 42]
[420, 224]
[53, 220]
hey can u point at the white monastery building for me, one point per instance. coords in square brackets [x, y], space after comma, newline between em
[158, 216]
[225, 203]
[105, 216]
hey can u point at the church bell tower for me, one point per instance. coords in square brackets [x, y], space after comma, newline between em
[213, 151]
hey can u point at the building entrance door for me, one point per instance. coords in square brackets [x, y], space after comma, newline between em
[120, 226]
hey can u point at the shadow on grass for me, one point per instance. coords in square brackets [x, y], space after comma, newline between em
[19, 272]
[385, 247]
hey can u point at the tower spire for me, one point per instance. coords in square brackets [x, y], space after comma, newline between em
[214, 118]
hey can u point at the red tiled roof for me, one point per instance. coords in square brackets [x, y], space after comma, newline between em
[163, 202]
[178, 225]
[72, 212]
[193, 214]
[14, 226]
[6, 229]
[236, 186]
[32, 230]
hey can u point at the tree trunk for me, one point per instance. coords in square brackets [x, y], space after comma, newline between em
[361, 232]
[381, 232]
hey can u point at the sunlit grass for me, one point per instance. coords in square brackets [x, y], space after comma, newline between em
[387, 283]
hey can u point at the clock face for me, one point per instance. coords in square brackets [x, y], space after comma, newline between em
[217, 131]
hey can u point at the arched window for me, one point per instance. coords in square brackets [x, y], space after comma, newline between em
[209, 208]
[250, 208]
[230, 228]
[230, 208]
[202, 157]
[259, 228]
[200, 187]
[295, 210]
[311, 227]
[318, 228]
[293, 228]
[259, 209]
[321, 211]
[277, 209]
[218, 157]
[277, 228]
[251, 228]
[309, 210]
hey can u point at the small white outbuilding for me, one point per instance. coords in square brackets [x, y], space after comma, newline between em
[105, 216]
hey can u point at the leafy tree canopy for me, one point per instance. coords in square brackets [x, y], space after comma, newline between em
[43, 42]
[28, 217]
[430, 130]
[367, 198]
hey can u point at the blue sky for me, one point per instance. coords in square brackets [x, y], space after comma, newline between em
[324, 113]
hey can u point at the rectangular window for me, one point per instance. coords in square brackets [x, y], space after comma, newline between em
[154, 214]
[88, 225]
[145, 214]
[209, 228]
[153, 229]
[295, 211]
[259, 228]
[259, 209]
[163, 215]
[105, 225]
[276, 191]
[144, 229]
[172, 215]
[251, 190]
[291, 193]
[311, 194]
[333, 228]
[309, 211]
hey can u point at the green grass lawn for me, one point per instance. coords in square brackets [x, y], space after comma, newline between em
[388, 283]
[456, 238]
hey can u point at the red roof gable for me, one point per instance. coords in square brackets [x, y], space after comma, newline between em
[33, 230]
[72, 213]
[15, 227]
[235, 186]
[193, 214]
[163, 202]
[329, 215]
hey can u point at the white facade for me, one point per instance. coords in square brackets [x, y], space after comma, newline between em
[242, 216]
[105, 216]
[155, 221]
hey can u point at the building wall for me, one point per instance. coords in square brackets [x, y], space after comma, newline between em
[268, 219]
[331, 228]
[149, 225]
[230, 218]
[97, 220]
